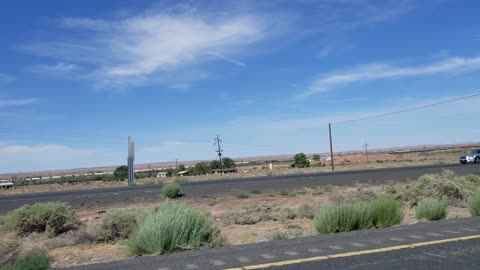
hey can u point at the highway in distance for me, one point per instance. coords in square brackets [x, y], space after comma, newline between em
[145, 193]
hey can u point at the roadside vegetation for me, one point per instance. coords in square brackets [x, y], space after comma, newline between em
[172, 226]
[431, 209]
[104, 234]
[348, 216]
[446, 185]
[118, 224]
[52, 217]
[474, 204]
[171, 190]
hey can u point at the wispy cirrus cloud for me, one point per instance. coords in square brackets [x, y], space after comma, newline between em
[370, 72]
[131, 51]
[5, 78]
[18, 102]
[60, 68]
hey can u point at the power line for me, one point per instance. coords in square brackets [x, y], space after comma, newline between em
[406, 110]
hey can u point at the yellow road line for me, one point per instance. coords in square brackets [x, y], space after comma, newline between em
[356, 253]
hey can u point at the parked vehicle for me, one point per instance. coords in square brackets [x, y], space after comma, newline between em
[472, 157]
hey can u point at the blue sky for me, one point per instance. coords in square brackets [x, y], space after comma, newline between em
[77, 78]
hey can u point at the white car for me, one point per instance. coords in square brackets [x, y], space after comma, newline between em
[472, 157]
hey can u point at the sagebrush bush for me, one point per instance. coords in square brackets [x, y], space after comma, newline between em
[445, 185]
[33, 260]
[431, 209]
[348, 216]
[53, 217]
[171, 190]
[118, 224]
[474, 204]
[172, 226]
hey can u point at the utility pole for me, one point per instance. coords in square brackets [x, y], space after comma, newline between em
[219, 151]
[130, 160]
[366, 150]
[331, 145]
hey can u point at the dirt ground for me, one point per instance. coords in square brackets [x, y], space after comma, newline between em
[242, 218]
[343, 162]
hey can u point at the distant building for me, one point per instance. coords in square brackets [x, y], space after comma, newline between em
[6, 185]
[225, 170]
[162, 174]
[183, 173]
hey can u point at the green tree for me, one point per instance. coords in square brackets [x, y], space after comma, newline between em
[200, 168]
[180, 168]
[316, 157]
[228, 162]
[120, 173]
[215, 164]
[300, 161]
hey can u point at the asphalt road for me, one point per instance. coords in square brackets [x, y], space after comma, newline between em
[449, 244]
[107, 196]
[454, 255]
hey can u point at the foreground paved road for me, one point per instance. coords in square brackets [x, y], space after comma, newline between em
[448, 256]
[106, 196]
[451, 244]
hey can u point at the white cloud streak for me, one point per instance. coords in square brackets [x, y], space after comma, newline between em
[372, 72]
[56, 69]
[18, 102]
[133, 50]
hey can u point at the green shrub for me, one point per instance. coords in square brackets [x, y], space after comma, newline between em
[343, 217]
[280, 236]
[34, 260]
[256, 191]
[118, 224]
[170, 190]
[169, 227]
[431, 209]
[53, 217]
[386, 212]
[290, 193]
[348, 216]
[474, 204]
[242, 196]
